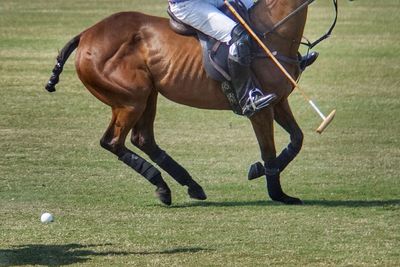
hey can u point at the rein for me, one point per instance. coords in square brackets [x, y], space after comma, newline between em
[329, 32]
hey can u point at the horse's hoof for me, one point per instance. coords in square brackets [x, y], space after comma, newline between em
[164, 195]
[288, 200]
[195, 191]
[292, 201]
[256, 170]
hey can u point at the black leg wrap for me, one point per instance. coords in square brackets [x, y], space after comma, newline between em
[273, 180]
[274, 185]
[179, 173]
[286, 156]
[172, 167]
[149, 172]
[143, 167]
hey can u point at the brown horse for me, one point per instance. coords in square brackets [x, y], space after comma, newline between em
[127, 59]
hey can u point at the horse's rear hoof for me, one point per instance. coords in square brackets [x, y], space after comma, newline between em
[164, 195]
[195, 191]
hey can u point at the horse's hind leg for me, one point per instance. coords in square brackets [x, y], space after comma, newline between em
[113, 140]
[143, 138]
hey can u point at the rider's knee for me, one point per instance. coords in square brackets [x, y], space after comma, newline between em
[240, 48]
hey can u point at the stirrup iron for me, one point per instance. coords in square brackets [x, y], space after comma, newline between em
[256, 101]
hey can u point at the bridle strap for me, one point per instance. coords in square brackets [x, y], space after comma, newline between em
[329, 32]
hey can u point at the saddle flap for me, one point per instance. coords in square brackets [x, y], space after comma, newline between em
[178, 26]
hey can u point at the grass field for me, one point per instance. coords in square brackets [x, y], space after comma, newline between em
[106, 215]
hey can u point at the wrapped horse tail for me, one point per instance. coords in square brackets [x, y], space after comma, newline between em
[61, 59]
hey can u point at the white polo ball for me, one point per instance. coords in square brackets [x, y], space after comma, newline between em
[46, 218]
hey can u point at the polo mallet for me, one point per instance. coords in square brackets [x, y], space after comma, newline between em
[325, 120]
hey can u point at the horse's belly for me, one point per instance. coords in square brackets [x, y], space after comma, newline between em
[207, 95]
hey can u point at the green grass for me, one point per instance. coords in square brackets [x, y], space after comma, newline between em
[106, 215]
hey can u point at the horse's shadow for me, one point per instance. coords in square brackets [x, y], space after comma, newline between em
[394, 203]
[57, 255]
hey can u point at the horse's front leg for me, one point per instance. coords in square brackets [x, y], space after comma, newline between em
[263, 127]
[284, 117]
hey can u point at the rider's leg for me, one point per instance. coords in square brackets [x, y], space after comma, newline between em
[308, 59]
[251, 99]
[204, 16]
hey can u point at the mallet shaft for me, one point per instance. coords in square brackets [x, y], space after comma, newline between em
[317, 110]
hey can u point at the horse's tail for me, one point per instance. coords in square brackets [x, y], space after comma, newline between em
[61, 59]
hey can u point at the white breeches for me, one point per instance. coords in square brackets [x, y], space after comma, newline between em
[205, 16]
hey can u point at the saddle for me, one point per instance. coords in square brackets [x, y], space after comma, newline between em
[215, 53]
